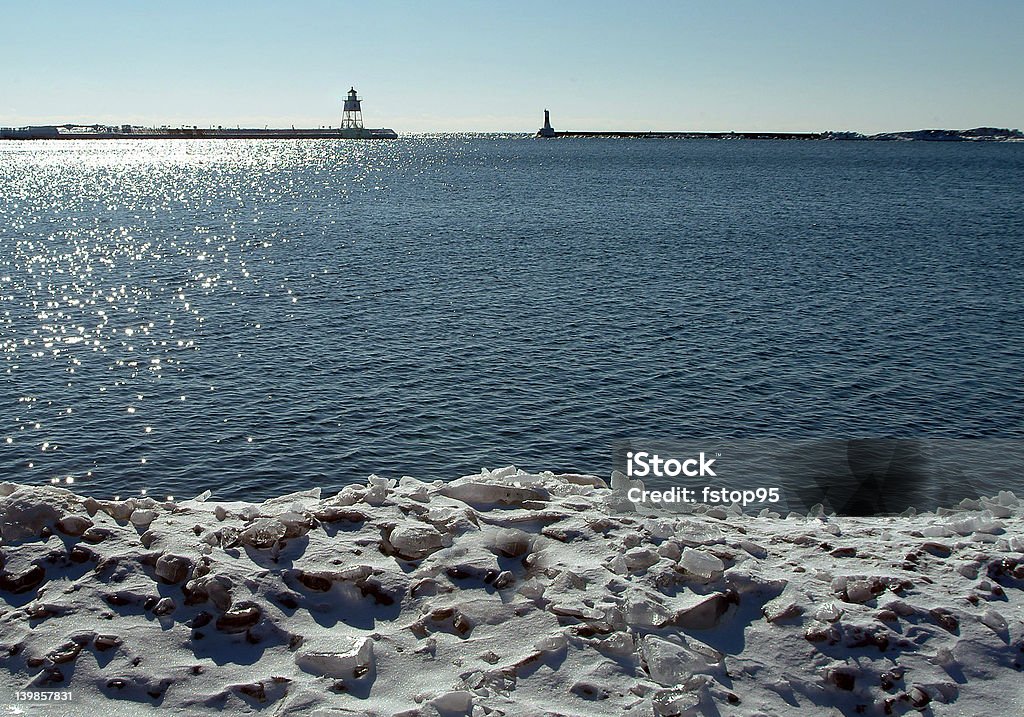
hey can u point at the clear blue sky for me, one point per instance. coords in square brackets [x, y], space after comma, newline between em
[457, 65]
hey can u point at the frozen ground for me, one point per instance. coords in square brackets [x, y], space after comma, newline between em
[504, 594]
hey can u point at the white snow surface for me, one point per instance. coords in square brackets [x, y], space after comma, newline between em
[504, 593]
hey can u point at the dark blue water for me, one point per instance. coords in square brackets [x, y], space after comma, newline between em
[264, 316]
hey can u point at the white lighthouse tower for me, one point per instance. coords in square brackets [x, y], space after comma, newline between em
[352, 117]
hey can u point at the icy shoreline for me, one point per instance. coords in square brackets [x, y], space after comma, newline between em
[503, 594]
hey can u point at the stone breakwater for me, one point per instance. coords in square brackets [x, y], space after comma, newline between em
[504, 593]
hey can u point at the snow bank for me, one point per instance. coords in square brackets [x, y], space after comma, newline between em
[503, 594]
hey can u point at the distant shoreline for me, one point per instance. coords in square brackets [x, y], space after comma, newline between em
[94, 132]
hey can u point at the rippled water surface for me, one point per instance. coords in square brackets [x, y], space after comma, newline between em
[261, 316]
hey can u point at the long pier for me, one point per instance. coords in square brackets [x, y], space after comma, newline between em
[689, 135]
[70, 132]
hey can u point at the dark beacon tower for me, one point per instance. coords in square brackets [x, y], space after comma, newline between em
[547, 130]
[352, 117]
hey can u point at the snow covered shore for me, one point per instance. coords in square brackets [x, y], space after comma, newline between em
[503, 594]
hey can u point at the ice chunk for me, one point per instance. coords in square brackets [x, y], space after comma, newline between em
[512, 543]
[670, 549]
[505, 579]
[298, 498]
[164, 606]
[784, 607]
[173, 568]
[532, 589]
[141, 517]
[618, 643]
[997, 510]
[415, 540]
[661, 528]
[705, 614]
[202, 497]
[551, 643]
[506, 472]
[1008, 498]
[983, 523]
[859, 591]
[73, 525]
[671, 664]
[639, 559]
[296, 523]
[582, 479]
[829, 612]
[348, 664]
[694, 533]
[119, 510]
[701, 563]
[645, 613]
[480, 493]
[263, 533]
[26, 511]
[758, 551]
[240, 618]
[215, 588]
[969, 570]
[994, 621]
[23, 581]
[453, 704]
[944, 657]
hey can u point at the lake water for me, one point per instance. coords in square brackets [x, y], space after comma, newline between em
[262, 316]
